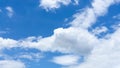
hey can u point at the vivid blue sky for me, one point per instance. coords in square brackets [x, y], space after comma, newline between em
[31, 20]
[59, 33]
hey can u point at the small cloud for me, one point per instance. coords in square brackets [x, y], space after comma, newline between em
[9, 11]
[55, 4]
[31, 56]
[116, 17]
[3, 32]
[66, 60]
[76, 2]
[0, 10]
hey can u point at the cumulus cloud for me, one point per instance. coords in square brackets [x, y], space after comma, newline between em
[105, 55]
[78, 39]
[71, 40]
[55, 4]
[75, 39]
[99, 53]
[7, 43]
[11, 64]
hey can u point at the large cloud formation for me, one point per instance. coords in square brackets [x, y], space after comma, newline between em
[98, 52]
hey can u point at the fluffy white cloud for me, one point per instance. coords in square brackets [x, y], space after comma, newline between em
[10, 11]
[7, 43]
[99, 53]
[70, 40]
[99, 6]
[11, 64]
[66, 60]
[105, 55]
[54, 4]
[75, 39]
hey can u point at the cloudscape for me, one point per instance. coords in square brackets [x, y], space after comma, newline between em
[59, 33]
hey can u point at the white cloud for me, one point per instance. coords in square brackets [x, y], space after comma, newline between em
[31, 56]
[75, 39]
[7, 43]
[100, 6]
[66, 60]
[10, 11]
[100, 53]
[105, 55]
[71, 40]
[11, 64]
[55, 4]
[89, 16]
[84, 19]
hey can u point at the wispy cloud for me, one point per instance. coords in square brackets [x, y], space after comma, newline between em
[11, 64]
[0, 10]
[117, 17]
[9, 11]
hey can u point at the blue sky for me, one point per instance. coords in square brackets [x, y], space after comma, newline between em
[59, 33]
[35, 21]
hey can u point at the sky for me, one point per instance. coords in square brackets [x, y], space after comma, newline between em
[59, 33]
